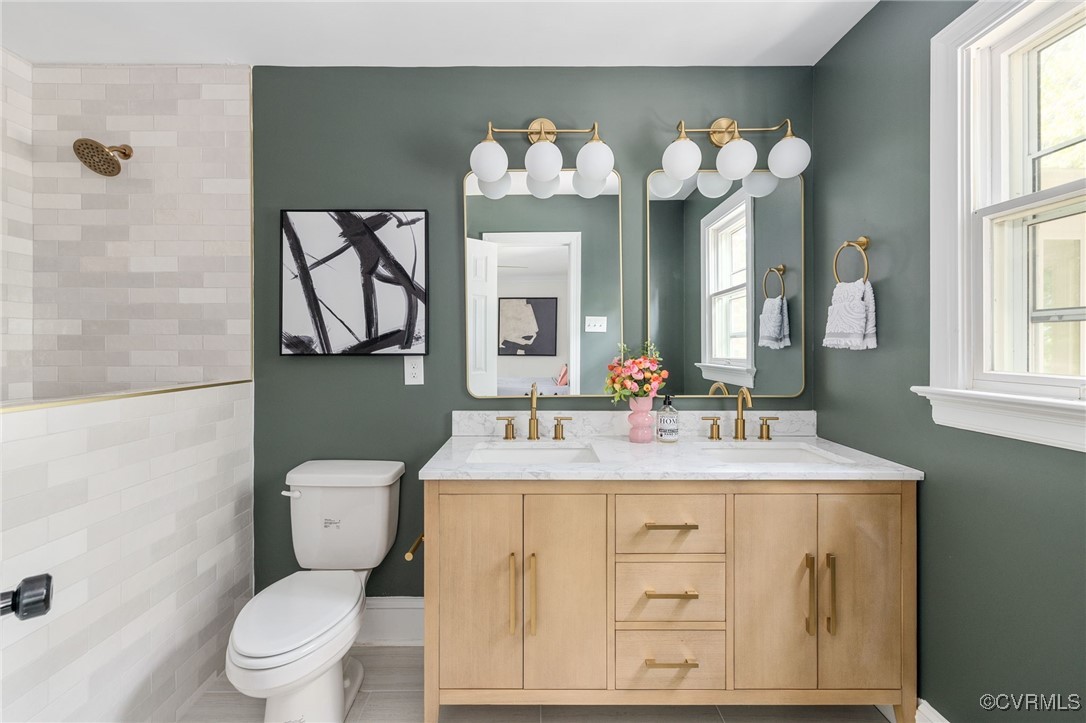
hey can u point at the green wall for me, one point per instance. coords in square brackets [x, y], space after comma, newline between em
[598, 221]
[1002, 522]
[373, 138]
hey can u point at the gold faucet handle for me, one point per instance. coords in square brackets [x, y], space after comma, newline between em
[763, 431]
[510, 428]
[559, 428]
[714, 428]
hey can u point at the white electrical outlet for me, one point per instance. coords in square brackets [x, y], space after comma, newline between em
[412, 370]
[595, 324]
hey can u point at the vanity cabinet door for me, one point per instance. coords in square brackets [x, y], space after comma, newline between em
[776, 641]
[565, 606]
[859, 546]
[481, 567]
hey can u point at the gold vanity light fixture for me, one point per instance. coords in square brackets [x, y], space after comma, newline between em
[543, 161]
[735, 160]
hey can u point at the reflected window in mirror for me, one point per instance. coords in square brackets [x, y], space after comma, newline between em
[727, 348]
[705, 250]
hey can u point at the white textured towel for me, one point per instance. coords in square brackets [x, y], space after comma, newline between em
[773, 324]
[851, 321]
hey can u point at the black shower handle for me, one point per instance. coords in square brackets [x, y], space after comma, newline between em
[31, 598]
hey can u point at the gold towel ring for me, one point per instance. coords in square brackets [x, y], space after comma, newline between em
[860, 245]
[779, 270]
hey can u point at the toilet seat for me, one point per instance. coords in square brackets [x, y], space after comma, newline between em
[294, 617]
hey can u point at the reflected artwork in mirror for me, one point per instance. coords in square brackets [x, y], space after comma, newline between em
[543, 288]
[725, 284]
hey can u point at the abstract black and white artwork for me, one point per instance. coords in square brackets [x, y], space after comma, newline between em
[354, 282]
[528, 326]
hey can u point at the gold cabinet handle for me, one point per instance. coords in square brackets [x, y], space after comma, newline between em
[683, 526]
[811, 621]
[686, 595]
[531, 594]
[831, 619]
[686, 663]
[512, 593]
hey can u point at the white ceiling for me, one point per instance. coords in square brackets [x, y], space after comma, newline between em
[409, 34]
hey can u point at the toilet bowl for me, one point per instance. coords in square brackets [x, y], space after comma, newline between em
[289, 644]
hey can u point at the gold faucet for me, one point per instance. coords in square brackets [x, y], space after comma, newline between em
[533, 421]
[740, 423]
[722, 387]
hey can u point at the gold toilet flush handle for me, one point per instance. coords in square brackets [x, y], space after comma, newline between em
[714, 428]
[410, 554]
[510, 428]
[763, 432]
[687, 663]
[559, 428]
[685, 595]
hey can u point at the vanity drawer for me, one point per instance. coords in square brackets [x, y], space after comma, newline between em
[642, 523]
[669, 591]
[640, 653]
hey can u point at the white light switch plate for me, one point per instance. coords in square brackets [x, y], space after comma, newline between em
[412, 370]
[597, 324]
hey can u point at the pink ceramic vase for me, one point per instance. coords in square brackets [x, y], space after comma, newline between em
[641, 426]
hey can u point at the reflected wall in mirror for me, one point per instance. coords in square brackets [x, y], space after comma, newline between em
[536, 268]
[707, 310]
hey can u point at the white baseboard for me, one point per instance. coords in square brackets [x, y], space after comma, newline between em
[391, 621]
[924, 713]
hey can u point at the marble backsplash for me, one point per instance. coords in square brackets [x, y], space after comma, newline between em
[476, 423]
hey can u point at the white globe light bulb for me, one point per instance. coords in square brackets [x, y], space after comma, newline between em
[663, 185]
[489, 161]
[789, 157]
[682, 159]
[760, 184]
[543, 161]
[587, 187]
[713, 185]
[595, 161]
[496, 189]
[543, 189]
[736, 159]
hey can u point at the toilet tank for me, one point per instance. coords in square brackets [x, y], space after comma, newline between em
[343, 512]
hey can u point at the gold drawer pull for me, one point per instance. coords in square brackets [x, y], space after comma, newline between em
[532, 582]
[686, 595]
[687, 663]
[683, 526]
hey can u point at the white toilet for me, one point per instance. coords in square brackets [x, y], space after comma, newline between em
[289, 642]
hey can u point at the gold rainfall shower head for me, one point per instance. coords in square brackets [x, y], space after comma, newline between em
[99, 158]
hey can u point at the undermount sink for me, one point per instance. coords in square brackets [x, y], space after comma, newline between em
[773, 453]
[521, 454]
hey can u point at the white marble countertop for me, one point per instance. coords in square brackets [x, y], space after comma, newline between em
[688, 459]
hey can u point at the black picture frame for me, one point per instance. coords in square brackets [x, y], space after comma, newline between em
[545, 342]
[361, 268]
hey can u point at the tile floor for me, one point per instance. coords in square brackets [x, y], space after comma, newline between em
[392, 693]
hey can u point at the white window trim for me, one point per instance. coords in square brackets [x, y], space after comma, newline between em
[713, 370]
[954, 400]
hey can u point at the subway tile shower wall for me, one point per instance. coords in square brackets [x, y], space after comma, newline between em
[141, 508]
[140, 280]
[16, 235]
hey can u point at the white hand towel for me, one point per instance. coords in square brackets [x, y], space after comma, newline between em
[851, 320]
[773, 330]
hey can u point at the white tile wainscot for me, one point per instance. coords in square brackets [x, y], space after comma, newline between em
[141, 509]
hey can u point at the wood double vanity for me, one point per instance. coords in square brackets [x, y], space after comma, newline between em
[580, 584]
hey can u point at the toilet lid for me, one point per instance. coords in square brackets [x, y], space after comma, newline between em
[294, 611]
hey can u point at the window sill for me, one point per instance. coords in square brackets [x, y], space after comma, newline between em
[743, 376]
[1042, 420]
